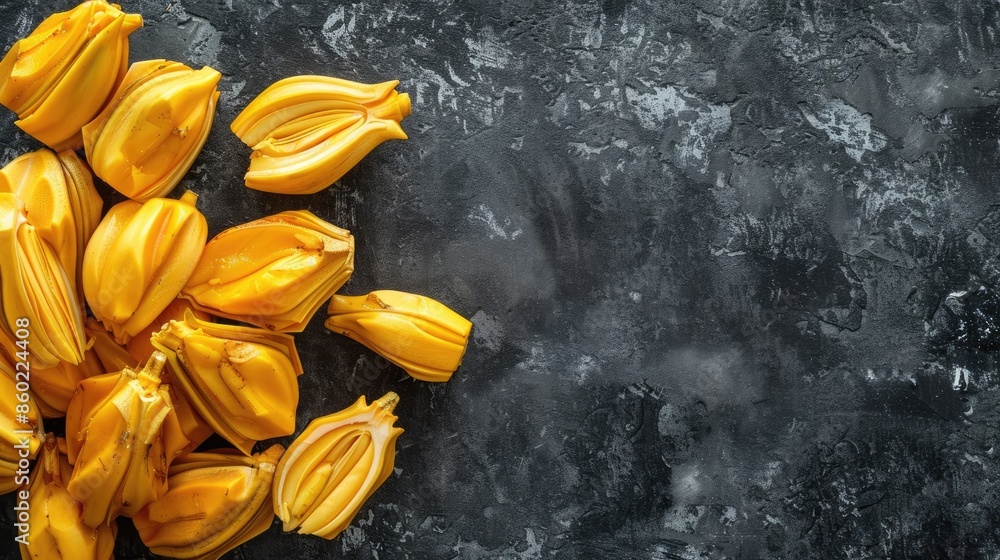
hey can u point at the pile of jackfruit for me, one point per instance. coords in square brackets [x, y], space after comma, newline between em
[148, 338]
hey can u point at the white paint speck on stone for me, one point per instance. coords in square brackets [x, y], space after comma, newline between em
[585, 150]
[482, 214]
[338, 31]
[846, 126]
[672, 107]
[487, 51]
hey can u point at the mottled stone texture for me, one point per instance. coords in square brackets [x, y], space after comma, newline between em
[733, 268]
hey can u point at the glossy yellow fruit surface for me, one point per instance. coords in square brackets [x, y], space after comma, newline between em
[54, 387]
[60, 76]
[140, 347]
[308, 131]
[35, 291]
[86, 205]
[274, 272]
[417, 333]
[116, 357]
[334, 466]
[150, 133]
[60, 202]
[217, 500]
[121, 437]
[56, 528]
[16, 448]
[139, 258]
[241, 380]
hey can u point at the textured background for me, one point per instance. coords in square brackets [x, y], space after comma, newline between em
[732, 267]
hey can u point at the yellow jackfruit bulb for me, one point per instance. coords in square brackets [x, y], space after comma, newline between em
[54, 387]
[60, 201]
[216, 502]
[56, 529]
[139, 258]
[308, 131]
[121, 437]
[116, 357]
[37, 179]
[334, 466]
[417, 333]
[148, 136]
[21, 429]
[274, 272]
[242, 380]
[59, 77]
[35, 292]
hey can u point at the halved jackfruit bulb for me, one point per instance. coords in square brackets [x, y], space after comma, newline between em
[59, 77]
[417, 333]
[60, 202]
[274, 272]
[150, 133]
[241, 380]
[139, 258]
[308, 131]
[334, 466]
[217, 500]
[56, 529]
[35, 288]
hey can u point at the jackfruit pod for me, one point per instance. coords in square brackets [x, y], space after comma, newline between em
[56, 529]
[274, 272]
[61, 75]
[150, 133]
[116, 358]
[35, 291]
[138, 260]
[37, 179]
[60, 201]
[242, 380]
[121, 438]
[334, 466]
[216, 501]
[417, 333]
[306, 132]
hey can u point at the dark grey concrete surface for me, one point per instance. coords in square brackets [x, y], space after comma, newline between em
[733, 268]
